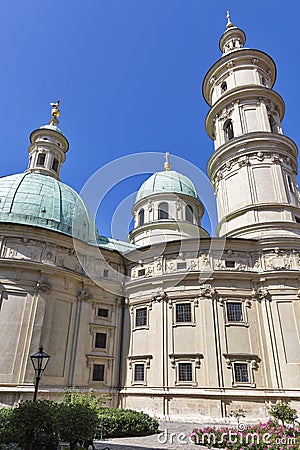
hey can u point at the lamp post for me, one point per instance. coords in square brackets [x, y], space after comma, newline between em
[39, 361]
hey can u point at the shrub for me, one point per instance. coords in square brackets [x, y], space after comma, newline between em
[6, 430]
[34, 425]
[284, 412]
[78, 417]
[115, 422]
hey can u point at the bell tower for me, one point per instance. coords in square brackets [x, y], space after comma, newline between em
[254, 166]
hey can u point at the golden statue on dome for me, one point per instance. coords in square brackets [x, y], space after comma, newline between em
[55, 112]
[167, 165]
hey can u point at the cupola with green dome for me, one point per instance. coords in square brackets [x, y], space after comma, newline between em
[37, 197]
[166, 208]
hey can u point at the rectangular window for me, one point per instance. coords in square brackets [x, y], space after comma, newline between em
[98, 372]
[100, 340]
[181, 266]
[41, 160]
[230, 264]
[141, 317]
[241, 373]
[234, 312]
[141, 272]
[106, 273]
[102, 312]
[183, 312]
[185, 372]
[139, 372]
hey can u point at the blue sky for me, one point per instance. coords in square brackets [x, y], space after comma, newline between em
[129, 76]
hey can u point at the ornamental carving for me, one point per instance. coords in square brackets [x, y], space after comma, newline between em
[84, 295]
[43, 285]
[159, 296]
[260, 293]
[206, 290]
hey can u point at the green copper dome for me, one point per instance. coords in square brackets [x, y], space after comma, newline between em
[167, 181]
[42, 201]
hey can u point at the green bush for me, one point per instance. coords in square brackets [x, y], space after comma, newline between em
[34, 425]
[6, 430]
[115, 422]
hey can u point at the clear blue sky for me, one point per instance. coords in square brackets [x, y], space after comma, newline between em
[129, 75]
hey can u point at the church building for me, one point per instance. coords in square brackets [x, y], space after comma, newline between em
[173, 322]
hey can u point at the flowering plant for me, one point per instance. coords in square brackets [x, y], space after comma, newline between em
[263, 436]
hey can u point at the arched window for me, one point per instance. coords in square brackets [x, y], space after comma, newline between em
[273, 124]
[41, 160]
[223, 87]
[163, 211]
[141, 217]
[228, 130]
[189, 213]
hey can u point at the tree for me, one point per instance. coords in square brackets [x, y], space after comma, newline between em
[284, 412]
[78, 417]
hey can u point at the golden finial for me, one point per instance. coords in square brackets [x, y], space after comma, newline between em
[229, 23]
[55, 111]
[167, 165]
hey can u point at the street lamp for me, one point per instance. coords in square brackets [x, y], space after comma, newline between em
[39, 361]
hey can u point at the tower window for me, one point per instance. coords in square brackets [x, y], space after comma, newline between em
[139, 372]
[241, 373]
[41, 160]
[234, 312]
[141, 217]
[98, 372]
[183, 312]
[100, 340]
[185, 372]
[289, 180]
[141, 317]
[189, 213]
[223, 87]
[273, 124]
[163, 211]
[228, 130]
[55, 164]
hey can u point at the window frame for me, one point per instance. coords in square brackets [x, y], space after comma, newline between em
[177, 312]
[243, 304]
[37, 160]
[192, 323]
[239, 382]
[228, 130]
[93, 372]
[163, 214]
[146, 316]
[105, 340]
[135, 379]
[141, 217]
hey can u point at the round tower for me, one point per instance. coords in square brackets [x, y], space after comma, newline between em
[254, 166]
[167, 208]
[48, 147]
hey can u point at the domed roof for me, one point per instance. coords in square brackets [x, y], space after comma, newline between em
[167, 181]
[42, 201]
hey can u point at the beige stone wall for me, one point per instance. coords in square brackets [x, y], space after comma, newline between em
[258, 276]
[47, 299]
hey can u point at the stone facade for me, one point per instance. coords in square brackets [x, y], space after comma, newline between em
[189, 327]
